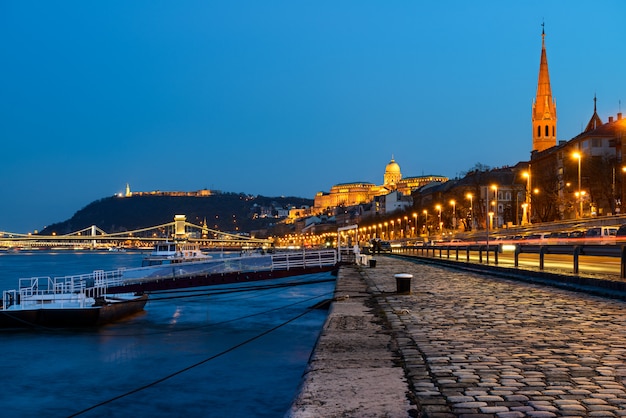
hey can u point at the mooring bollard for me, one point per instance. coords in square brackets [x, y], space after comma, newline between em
[403, 283]
[372, 262]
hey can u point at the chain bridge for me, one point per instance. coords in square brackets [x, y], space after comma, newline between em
[94, 237]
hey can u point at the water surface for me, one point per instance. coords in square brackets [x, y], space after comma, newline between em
[213, 352]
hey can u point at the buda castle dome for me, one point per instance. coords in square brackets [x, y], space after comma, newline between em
[360, 192]
[392, 173]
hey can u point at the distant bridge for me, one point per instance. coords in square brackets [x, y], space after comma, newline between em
[94, 237]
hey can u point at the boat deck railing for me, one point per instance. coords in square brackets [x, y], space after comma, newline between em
[77, 291]
[246, 263]
[79, 288]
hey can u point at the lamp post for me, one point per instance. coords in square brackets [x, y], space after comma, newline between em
[488, 221]
[494, 187]
[621, 189]
[579, 157]
[406, 226]
[438, 207]
[426, 221]
[580, 196]
[471, 198]
[415, 226]
[528, 199]
[453, 203]
[393, 229]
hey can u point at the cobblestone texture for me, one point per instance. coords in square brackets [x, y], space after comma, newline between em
[480, 346]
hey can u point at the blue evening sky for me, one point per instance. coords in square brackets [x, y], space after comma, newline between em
[282, 97]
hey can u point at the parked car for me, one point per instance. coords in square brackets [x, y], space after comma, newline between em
[577, 234]
[601, 235]
[558, 238]
[538, 238]
[385, 246]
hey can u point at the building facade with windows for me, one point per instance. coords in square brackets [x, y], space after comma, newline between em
[358, 193]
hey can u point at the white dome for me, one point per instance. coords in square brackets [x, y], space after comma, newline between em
[392, 167]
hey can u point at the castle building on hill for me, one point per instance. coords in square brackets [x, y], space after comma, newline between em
[197, 193]
[352, 194]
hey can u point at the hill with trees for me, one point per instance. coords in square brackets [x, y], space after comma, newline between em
[228, 212]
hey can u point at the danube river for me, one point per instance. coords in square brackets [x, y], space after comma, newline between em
[214, 352]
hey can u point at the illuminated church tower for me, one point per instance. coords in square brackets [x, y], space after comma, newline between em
[544, 106]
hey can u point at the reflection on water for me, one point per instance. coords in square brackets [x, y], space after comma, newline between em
[198, 337]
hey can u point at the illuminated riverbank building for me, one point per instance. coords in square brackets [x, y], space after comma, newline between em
[580, 177]
[356, 193]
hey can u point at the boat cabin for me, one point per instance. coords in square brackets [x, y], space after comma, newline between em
[174, 252]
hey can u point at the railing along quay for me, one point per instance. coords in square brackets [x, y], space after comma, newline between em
[462, 253]
[177, 275]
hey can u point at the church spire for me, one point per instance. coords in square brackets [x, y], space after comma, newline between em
[544, 106]
[595, 121]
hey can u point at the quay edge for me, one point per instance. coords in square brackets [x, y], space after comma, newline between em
[355, 369]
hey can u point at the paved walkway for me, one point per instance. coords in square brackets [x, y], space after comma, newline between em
[462, 344]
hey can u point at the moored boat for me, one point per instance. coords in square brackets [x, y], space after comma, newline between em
[105, 296]
[65, 302]
[168, 252]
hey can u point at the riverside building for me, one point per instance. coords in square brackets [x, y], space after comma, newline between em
[581, 177]
[358, 193]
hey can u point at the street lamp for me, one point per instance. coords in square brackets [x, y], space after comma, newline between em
[393, 229]
[426, 221]
[438, 207]
[580, 196]
[488, 221]
[621, 190]
[471, 198]
[415, 227]
[578, 156]
[494, 187]
[528, 199]
[453, 203]
[406, 226]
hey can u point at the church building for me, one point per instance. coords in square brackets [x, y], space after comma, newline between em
[544, 106]
[581, 177]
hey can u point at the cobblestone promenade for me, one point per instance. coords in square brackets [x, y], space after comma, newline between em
[470, 345]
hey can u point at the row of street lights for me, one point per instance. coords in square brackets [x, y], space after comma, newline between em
[382, 229]
[580, 194]
[526, 217]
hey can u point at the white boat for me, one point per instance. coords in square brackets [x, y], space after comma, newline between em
[70, 301]
[105, 296]
[174, 252]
